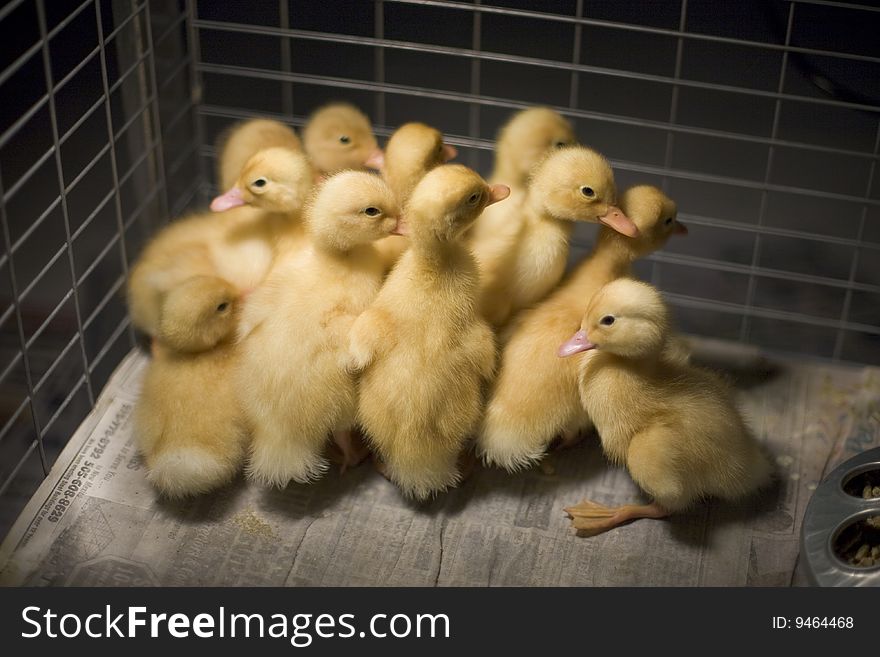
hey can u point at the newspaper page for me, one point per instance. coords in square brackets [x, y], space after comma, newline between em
[96, 521]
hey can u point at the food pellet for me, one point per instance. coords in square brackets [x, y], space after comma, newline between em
[875, 492]
[862, 552]
[875, 552]
[866, 492]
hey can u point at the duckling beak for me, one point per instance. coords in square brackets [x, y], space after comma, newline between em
[402, 228]
[231, 199]
[616, 219]
[680, 228]
[575, 345]
[498, 193]
[449, 152]
[376, 160]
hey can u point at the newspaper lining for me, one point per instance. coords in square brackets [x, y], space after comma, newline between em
[96, 521]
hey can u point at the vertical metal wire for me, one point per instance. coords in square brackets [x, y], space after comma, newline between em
[474, 108]
[745, 325]
[286, 87]
[195, 54]
[379, 62]
[114, 166]
[673, 117]
[574, 90]
[854, 265]
[16, 302]
[160, 149]
[53, 118]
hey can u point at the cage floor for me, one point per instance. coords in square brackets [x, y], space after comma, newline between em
[496, 529]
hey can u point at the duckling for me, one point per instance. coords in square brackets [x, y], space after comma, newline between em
[273, 179]
[535, 398]
[339, 136]
[237, 245]
[422, 348]
[293, 381]
[523, 142]
[242, 140]
[674, 426]
[187, 421]
[412, 151]
[571, 184]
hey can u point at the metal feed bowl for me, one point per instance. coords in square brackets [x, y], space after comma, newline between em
[832, 511]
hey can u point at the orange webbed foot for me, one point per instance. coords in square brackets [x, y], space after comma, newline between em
[591, 518]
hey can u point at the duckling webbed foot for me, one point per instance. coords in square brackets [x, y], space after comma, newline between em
[347, 450]
[590, 518]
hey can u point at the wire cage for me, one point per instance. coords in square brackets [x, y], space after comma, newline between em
[760, 117]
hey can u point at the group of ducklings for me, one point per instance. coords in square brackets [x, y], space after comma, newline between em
[321, 312]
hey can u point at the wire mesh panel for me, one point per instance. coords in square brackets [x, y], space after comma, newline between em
[86, 148]
[760, 118]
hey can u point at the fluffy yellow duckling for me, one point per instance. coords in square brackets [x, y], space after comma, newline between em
[244, 139]
[523, 142]
[237, 245]
[339, 136]
[423, 349]
[187, 420]
[412, 151]
[535, 396]
[293, 381]
[273, 179]
[571, 184]
[675, 426]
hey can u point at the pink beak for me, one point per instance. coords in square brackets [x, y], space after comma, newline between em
[402, 228]
[376, 160]
[575, 345]
[498, 193]
[615, 219]
[680, 228]
[231, 199]
[449, 152]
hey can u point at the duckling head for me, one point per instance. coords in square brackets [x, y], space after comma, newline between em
[351, 208]
[577, 184]
[527, 138]
[198, 314]
[412, 151]
[654, 214]
[273, 179]
[626, 317]
[447, 201]
[338, 137]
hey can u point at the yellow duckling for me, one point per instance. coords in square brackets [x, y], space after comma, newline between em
[571, 184]
[675, 426]
[412, 151]
[523, 142]
[244, 139]
[424, 351]
[187, 421]
[339, 136]
[535, 396]
[293, 379]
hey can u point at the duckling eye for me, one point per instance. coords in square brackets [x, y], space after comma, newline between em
[560, 144]
[345, 139]
[223, 306]
[371, 211]
[608, 320]
[588, 191]
[259, 182]
[668, 222]
[473, 198]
